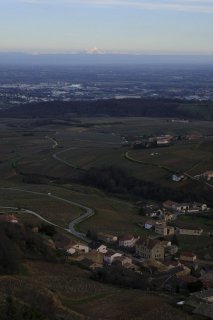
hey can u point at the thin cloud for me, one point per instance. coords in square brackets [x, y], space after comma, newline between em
[205, 6]
[199, 6]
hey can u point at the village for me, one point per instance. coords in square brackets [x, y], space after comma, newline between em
[154, 258]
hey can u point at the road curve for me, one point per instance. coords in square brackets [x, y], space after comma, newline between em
[56, 157]
[88, 212]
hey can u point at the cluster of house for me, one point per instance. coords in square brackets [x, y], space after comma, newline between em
[96, 253]
[160, 227]
[148, 142]
[183, 208]
[142, 255]
[171, 209]
[160, 218]
[164, 140]
[144, 248]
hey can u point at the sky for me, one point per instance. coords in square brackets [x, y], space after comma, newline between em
[107, 26]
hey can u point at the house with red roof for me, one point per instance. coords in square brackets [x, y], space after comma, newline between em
[187, 256]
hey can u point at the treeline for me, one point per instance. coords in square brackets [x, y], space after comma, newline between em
[118, 181]
[170, 108]
[120, 276]
[18, 242]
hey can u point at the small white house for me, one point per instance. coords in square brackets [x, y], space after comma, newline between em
[102, 249]
[177, 178]
[127, 241]
[99, 247]
[110, 256]
[71, 250]
[182, 207]
[81, 247]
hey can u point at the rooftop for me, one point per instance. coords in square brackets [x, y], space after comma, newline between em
[127, 237]
[187, 254]
[95, 245]
[149, 243]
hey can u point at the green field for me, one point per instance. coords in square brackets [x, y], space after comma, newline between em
[95, 143]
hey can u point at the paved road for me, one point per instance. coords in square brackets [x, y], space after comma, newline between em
[69, 164]
[56, 155]
[32, 213]
[55, 143]
[88, 212]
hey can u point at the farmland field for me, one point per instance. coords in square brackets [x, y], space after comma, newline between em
[29, 149]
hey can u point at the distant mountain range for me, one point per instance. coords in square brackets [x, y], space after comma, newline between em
[100, 59]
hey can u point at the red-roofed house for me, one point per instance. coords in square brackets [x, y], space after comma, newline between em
[188, 256]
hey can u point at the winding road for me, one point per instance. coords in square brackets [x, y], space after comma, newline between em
[88, 212]
[56, 157]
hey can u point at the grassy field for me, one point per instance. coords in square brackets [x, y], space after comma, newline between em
[98, 145]
[202, 222]
[95, 144]
[195, 244]
[180, 157]
[112, 215]
[56, 211]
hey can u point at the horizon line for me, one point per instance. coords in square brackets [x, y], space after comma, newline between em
[105, 53]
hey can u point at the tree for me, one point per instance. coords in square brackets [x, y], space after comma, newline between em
[195, 286]
[141, 212]
[175, 240]
[48, 229]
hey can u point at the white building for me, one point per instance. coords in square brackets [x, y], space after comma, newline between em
[127, 241]
[81, 247]
[110, 256]
[97, 246]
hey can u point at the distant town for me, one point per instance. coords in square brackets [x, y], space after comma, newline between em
[19, 86]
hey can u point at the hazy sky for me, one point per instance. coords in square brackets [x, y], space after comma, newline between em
[139, 26]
